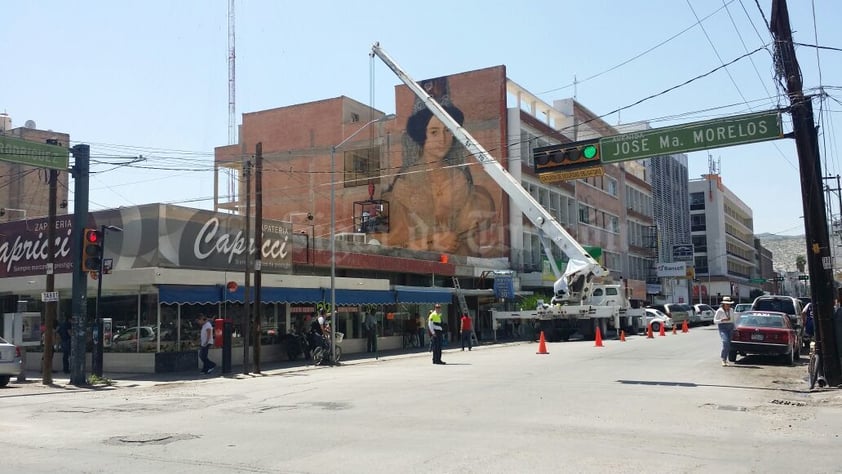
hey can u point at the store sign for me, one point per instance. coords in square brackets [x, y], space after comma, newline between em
[675, 269]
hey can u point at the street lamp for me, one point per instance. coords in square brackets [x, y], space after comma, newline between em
[333, 227]
[98, 340]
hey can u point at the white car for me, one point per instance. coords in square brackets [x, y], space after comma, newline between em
[705, 313]
[742, 308]
[656, 318]
[10, 362]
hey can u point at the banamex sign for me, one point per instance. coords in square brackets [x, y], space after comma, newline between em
[676, 269]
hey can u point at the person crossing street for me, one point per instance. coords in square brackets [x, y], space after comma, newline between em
[466, 330]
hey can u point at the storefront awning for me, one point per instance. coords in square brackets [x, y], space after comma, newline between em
[214, 294]
[194, 294]
[292, 295]
[412, 294]
[350, 297]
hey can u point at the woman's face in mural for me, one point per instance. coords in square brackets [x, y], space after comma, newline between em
[439, 139]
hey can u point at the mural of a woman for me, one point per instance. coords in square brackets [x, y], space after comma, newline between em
[435, 204]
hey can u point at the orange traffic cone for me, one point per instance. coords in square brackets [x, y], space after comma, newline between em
[542, 345]
[598, 338]
[684, 326]
[622, 336]
[661, 331]
[649, 332]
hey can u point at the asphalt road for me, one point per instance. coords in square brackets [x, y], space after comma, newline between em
[643, 405]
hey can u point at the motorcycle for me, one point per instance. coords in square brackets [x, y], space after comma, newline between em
[295, 345]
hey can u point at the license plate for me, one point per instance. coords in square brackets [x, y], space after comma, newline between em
[757, 337]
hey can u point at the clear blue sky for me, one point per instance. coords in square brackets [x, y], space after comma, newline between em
[151, 78]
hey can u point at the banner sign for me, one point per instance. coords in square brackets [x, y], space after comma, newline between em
[676, 269]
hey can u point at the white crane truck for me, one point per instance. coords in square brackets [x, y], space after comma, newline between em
[580, 302]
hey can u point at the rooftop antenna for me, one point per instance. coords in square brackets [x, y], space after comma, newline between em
[714, 166]
[232, 87]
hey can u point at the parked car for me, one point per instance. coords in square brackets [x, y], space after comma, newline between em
[705, 313]
[788, 305]
[128, 339]
[676, 311]
[10, 362]
[656, 318]
[767, 333]
[741, 308]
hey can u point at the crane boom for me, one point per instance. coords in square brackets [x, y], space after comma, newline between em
[548, 226]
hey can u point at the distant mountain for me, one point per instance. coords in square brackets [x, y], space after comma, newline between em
[785, 249]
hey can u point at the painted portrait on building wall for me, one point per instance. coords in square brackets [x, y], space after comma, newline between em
[440, 198]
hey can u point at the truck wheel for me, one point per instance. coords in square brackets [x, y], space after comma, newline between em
[4, 380]
[656, 327]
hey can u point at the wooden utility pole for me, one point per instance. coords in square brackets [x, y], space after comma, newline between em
[246, 289]
[258, 246]
[50, 307]
[819, 259]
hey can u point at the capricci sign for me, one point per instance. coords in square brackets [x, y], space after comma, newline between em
[210, 241]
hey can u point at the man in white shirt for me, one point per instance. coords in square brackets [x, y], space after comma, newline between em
[205, 341]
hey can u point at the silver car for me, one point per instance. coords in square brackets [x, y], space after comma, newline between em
[705, 313]
[10, 362]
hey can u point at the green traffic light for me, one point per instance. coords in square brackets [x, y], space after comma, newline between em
[589, 152]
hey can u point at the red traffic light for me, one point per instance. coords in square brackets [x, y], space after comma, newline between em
[92, 236]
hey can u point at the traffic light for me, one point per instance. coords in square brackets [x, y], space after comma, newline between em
[92, 251]
[567, 156]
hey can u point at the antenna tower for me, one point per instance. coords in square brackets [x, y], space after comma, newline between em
[714, 166]
[232, 86]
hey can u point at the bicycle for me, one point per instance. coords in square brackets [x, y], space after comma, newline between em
[814, 368]
[322, 354]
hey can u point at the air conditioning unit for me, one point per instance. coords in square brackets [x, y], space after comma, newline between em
[351, 237]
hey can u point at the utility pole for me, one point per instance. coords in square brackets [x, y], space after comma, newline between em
[258, 253]
[50, 306]
[79, 304]
[246, 289]
[815, 223]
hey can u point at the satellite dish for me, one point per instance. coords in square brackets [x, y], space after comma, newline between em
[29, 124]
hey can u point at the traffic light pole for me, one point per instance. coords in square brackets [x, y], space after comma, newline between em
[99, 341]
[80, 170]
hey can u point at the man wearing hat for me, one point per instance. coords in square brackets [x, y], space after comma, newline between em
[725, 324]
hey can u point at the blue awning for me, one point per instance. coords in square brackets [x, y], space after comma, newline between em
[194, 294]
[420, 294]
[292, 295]
[214, 294]
[350, 297]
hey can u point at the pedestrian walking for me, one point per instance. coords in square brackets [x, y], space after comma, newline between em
[725, 324]
[205, 341]
[371, 330]
[466, 330]
[435, 329]
[64, 335]
[421, 329]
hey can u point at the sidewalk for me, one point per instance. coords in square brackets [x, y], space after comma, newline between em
[61, 382]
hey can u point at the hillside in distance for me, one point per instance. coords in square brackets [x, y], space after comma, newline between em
[785, 249]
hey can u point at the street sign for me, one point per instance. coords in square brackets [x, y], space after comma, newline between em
[757, 280]
[49, 296]
[582, 173]
[25, 152]
[694, 136]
